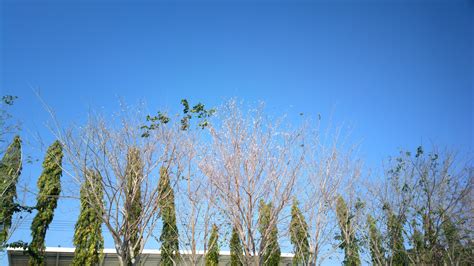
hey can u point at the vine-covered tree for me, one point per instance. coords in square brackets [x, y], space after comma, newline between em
[269, 247]
[375, 242]
[133, 203]
[299, 235]
[88, 238]
[418, 243]
[454, 250]
[395, 233]
[348, 234]
[10, 169]
[169, 237]
[235, 248]
[212, 256]
[49, 185]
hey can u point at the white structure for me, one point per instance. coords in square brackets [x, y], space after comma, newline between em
[63, 257]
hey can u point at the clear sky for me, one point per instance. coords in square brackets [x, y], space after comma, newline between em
[400, 73]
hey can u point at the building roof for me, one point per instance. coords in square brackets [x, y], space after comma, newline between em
[59, 256]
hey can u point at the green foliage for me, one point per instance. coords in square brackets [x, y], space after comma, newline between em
[349, 241]
[154, 123]
[395, 225]
[427, 188]
[198, 111]
[269, 247]
[299, 235]
[375, 242]
[88, 238]
[19, 244]
[133, 201]
[9, 99]
[235, 248]
[452, 234]
[418, 245]
[6, 126]
[169, 237]
[49, 185]
[430, 238]
[212, 256]
[10, 169]
[455, 251]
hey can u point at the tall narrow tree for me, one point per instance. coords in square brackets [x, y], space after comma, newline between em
[349, 242]
[375, 242]
[269, 247]
[88, 238]
[169, 237]
[395, 233]
[235, 249]
[299, 235]
[212, 256]
[10, 169]
[454, 249]
[417, 243]
[49, 185]
[133, 202]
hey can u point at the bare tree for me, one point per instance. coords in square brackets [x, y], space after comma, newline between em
[194, 205]
[196, 215]
[331, 168]
[105, 144]
[252, 158]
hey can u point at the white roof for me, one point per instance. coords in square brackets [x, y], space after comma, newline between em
[60, 256]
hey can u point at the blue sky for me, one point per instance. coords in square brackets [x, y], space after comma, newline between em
[399, 73]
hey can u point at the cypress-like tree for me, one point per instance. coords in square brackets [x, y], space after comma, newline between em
[418, 250]
[269, 247]
[417, 240]
[49, 185]
[349, 241]
[212, 256]
[375, 242]
[10, 169]
[395, 233]
[454, 249]
[88, 238]
[433, 253]
[235, 248]
[133, 201]
[299, 235]
[169, 234]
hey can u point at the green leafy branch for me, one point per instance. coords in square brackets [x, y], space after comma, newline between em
[197, 111]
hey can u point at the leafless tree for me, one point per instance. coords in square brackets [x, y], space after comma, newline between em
[252, 157]
[195, 209]
[331, 169]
